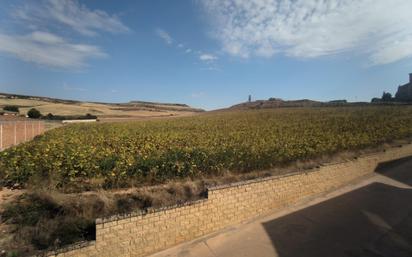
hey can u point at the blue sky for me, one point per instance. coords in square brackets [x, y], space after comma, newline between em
[206, 53]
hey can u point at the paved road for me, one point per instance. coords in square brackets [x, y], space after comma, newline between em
[371, 217]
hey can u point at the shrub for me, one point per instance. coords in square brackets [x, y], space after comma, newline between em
[88, 116]
[34, 113]
[11, 108]
[49, 116]
[386, 97]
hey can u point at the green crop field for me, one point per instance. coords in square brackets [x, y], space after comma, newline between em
[125, 154]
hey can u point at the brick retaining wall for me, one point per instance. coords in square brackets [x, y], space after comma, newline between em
[142, 233]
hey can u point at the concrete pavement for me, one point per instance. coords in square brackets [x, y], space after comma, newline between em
[369, 217]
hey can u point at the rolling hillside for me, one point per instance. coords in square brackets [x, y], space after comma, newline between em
[104, 111]
[272, 103]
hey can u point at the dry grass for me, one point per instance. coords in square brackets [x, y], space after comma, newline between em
[39, 220]
[98, 109]
[21, 102]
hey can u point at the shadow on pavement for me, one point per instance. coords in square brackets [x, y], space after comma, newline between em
[375, 220]
[399, 170]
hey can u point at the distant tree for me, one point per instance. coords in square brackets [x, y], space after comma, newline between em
[275, 99]
[90, 116]
[376, 100]
[11, 108]
[49, 116]
[34, 113]
[337, 102]
[386, 97]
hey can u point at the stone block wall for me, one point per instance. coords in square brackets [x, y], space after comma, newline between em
[142, 233]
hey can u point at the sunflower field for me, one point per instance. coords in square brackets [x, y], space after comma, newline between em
[122, 154]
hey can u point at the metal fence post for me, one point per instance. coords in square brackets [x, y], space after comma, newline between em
[15, 133]
[1, 136]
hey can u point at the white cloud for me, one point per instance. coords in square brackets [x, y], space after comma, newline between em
[392, 51]
[49, 50]
[210, 68]
[208, 57]
[71, 88]
[165, 36]
[70, 13]
[198, 94]
[380, 29]
[45, 37]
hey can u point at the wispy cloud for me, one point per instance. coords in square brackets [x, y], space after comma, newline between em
[46, 19]
[72, 14]
[208, 57]
[71, 88]
[164, 36]
[379, 29]
[48, 49]
[198, 94]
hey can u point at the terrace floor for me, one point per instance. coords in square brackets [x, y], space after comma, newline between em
[371, 217]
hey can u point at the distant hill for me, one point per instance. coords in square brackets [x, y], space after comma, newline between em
[279, 103]
[275, 103]
[130, 110]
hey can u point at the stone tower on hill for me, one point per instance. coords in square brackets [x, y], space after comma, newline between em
[404, 92]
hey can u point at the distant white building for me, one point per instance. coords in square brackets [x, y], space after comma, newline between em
[79, 121]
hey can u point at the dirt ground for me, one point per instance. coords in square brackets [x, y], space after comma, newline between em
[6, 235]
